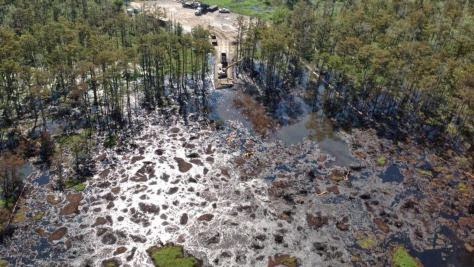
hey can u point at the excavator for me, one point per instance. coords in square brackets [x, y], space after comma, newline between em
[222, 71]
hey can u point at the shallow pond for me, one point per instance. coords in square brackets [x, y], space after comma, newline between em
[42, 180]
[392, 174]
[313, 126]
[26, 170]
[223, 108]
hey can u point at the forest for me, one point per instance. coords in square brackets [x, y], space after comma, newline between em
[405, 67]
[87, 66]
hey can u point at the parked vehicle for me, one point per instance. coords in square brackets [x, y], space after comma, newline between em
[213, 8]
[198, 11]
[221, 72]
[213, 39]
[224, 60]
[224, 10]
[188, 4]
[191, 4]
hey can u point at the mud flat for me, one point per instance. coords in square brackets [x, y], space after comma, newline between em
[230, 198]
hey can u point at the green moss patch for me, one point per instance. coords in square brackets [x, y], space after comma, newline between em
[76, 185]
[463, 189]
[38, 216]
[401, 258]
[79, 187]
[381, 161]
[20, 216]
[7, 203]
[111, 263]
[367, 242]
[424, 172]
[171, 256]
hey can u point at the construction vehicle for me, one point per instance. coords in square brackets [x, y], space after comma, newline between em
[199, 11]
[191, 4]
[188, 4]
[213, 40]
[224, 10]
[224, 60]
[213, 8]
[221, 72]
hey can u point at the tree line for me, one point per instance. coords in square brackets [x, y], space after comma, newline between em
[405, 67]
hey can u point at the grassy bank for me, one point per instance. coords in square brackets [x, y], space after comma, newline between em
[255, 8]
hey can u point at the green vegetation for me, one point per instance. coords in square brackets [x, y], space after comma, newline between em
[425, 172]
[463, 188]
[70, 69]
[110, 141]
[255, 8]
[171, 256]
[7, 203]
[401, 258]
[20, 215]
[80, 187]
[367, 242]
[38, 216]
[110, 263]
[381, 161]
[71, 140]
[404, 67]
[75, 184]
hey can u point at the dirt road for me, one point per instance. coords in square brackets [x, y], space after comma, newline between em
[224, 26]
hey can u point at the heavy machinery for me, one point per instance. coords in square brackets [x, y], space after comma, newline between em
[198, 11]
[224, 60]
[213, 40]
[224, 10]
[222, 70]
[190, 4]
[213, 8]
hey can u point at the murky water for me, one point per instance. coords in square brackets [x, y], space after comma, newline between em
[26, 170]
[448, 256]
[392, 174]
[245, 196]
[223, 108]
[313, 126]
[42, 180]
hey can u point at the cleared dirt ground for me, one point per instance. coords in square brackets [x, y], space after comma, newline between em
[224, 26]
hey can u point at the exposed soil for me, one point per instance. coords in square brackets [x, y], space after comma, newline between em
[244, 208]
[222, 25]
